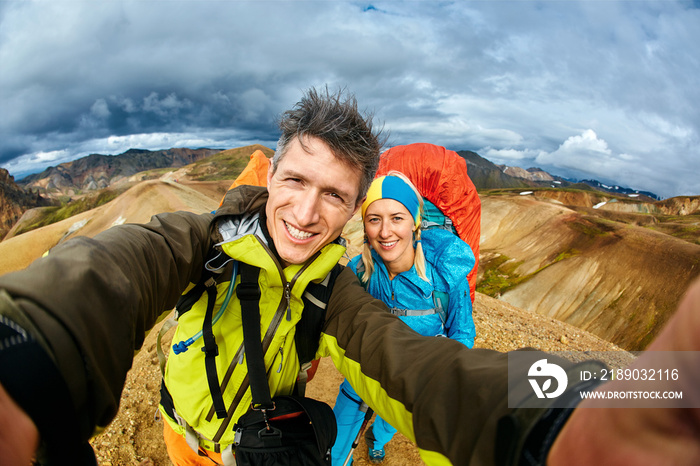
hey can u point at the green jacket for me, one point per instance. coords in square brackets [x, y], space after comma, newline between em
[91, 302]
[281, 308]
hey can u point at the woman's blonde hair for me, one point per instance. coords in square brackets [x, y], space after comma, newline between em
[418, 257]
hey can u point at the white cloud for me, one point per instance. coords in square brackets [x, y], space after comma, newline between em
[586, 153]
[30, 163]
[579, 152]
[157, 141]
[509, 156]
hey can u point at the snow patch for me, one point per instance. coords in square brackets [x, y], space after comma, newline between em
[119, 221]
[600, 204]
[77, 226]
[525, 193]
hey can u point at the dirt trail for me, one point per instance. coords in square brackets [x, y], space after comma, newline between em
[136, 205]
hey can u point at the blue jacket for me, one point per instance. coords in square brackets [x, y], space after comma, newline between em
[448, 261]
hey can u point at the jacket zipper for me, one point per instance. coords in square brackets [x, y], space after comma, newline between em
[288, 297]
[288, 286]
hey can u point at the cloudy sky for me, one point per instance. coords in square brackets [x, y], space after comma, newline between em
[594, 89]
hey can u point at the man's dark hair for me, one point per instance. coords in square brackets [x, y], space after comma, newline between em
[335, 120]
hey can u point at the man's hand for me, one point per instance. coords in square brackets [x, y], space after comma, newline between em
[19, 437]
[648, 436]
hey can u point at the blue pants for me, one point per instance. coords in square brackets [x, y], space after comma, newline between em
[349, 418]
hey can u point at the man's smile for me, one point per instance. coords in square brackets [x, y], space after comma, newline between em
[298, 234]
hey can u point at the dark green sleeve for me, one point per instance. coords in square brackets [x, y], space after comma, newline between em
[90, 302]
[457, 397]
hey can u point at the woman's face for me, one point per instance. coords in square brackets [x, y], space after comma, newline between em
[389, 228]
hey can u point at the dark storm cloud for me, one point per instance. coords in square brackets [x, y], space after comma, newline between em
[581, 87]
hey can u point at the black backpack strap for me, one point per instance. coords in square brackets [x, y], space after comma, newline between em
[211, 350]
[214, 266]
[308, 329]
[207, 283]
[248, 292]
[188, 299]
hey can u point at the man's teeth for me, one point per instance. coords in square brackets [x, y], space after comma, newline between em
[298, 234]
[388, 245]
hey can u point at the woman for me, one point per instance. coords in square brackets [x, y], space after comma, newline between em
[420, 275]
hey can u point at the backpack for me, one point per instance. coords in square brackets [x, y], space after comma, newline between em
[308, 333]
[254, 173]
[441, 177]
[434, 218]
[305, 436]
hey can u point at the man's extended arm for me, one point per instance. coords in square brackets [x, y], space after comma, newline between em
[454, 401]
[434, 390]
[79, 314]
[621, 436]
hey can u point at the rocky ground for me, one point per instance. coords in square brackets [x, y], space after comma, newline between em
[135, 436]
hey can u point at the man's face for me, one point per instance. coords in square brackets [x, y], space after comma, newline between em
[312, 197]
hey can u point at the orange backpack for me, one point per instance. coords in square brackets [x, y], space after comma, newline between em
[441, 177]
[255, 173]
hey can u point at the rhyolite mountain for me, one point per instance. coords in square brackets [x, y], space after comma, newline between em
[14, 201]
[487, 175]
[97, 171]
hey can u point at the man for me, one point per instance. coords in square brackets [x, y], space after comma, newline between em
[118, 284]
[70, 322]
